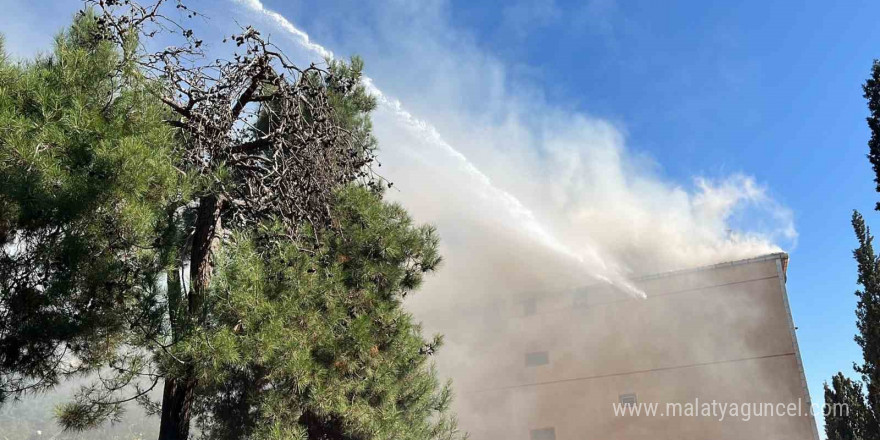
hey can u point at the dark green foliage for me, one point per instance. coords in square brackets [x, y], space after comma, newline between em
[861, 423]
[86, 177]
[872, 95]
[868, 310]
[848, 416]
[307, 344]
[352, 108]
[292, 335]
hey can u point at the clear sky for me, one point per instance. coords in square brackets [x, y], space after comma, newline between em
[768, 89]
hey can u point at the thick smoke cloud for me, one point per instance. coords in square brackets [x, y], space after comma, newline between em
[558, 202]
[580, 192]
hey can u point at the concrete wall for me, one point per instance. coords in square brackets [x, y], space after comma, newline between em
[552, 366]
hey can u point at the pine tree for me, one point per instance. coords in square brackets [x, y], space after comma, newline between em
[255, 272]
[315, 343]
[86, 179]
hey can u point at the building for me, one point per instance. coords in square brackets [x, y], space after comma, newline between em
[552, 367]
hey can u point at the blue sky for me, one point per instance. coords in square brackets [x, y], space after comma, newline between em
[769, 90]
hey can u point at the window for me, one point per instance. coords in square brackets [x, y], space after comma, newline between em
[537, 358]
[580, 298]
[543, 434]
[628, 399]
[530, 307]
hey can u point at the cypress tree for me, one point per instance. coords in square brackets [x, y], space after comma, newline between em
[847, 417]
[862, 421]
[871, 90]
[868, 311]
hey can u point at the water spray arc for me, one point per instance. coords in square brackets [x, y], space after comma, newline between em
[525, 219]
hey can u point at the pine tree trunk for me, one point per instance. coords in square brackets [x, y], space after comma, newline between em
[176, 404]
[177, 397]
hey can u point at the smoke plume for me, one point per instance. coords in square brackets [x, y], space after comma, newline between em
[512, 180]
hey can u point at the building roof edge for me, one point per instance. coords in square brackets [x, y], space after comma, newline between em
[767, 257]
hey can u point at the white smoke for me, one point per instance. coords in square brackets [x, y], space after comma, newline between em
[558, 179]
[521, 218]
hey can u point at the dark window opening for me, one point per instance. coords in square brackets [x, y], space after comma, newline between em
[628, 399]
[580, 298]
[537, 358]
[543, 434]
